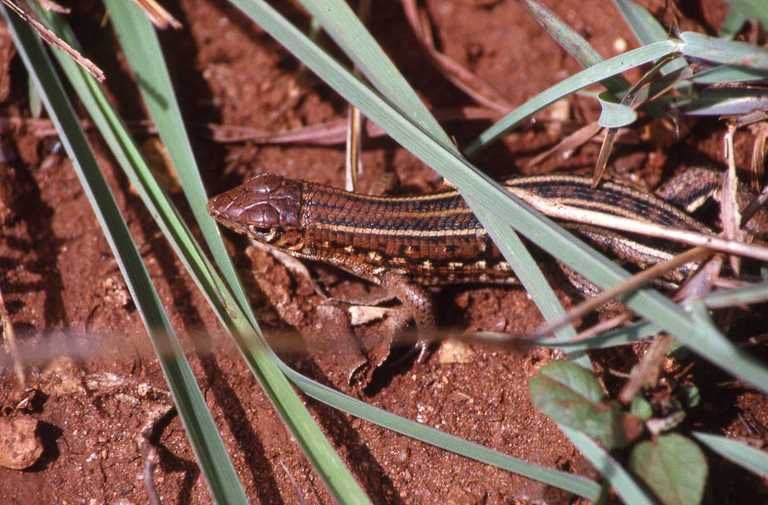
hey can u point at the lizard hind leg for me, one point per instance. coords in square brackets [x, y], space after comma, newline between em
[418, 301]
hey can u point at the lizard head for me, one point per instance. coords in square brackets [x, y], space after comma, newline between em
[264, 207]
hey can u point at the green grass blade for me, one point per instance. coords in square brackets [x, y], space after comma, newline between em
[728, 74]
[727, 52]
[342, 25]
[576, 45]
[641, 22]
[744, 455]
[614, 473]
[586, 77]
[722, 298]
[139, 41]
[199, 425]
[288, 405]
[572, 483]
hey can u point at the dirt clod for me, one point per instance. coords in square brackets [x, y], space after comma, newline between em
[20, 444]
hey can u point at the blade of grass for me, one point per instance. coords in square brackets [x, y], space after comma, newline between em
[142, 50]
[647, 29]
[576, 45]
[199, 425]
[586, 77]
[341, 483]
[727, 52]
[489, 194]
[744, 455]
[729, 74]
[722, 298]
[611, 469]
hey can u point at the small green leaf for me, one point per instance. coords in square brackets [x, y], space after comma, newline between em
[575, 377]
[690, 396]
[571, 396]
[641, 408]
[673, 466]
[613, 114]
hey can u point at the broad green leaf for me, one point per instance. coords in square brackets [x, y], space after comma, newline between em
[673, 467]
[572, 396]
[744, 455]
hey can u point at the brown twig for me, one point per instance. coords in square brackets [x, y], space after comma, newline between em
[730, 216]
[613, 222]
[159, 17]
[353, 163]
[52, 39]
[9, 339]
[52, 6]
[479, 90]
[628, 285]
[646, 373]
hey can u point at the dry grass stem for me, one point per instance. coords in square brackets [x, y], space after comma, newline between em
[479, 90]
[579, 215]
[646, 373]
[159, 17]
[52, 39]
[9, 340]
[630, 284]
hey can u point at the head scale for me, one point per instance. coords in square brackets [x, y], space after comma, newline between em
[263, 207]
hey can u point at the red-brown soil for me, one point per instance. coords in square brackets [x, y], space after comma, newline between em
[66, 296]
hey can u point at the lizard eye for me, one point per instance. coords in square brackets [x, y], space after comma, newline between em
[263, 217]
